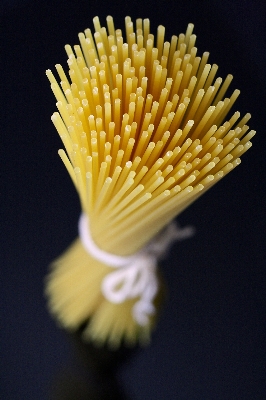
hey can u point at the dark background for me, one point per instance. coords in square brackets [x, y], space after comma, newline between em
[210, 340]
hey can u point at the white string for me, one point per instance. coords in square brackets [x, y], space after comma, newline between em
[135, 276]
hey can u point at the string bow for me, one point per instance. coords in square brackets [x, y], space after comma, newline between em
[134, 276]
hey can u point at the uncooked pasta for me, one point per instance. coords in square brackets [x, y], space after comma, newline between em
[146, 129]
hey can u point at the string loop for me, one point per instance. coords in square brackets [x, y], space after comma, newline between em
[134, 276]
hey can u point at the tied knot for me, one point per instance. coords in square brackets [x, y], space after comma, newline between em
[133, 276]
[136, 278]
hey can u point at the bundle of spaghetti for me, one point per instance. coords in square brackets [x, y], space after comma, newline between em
[145, 130]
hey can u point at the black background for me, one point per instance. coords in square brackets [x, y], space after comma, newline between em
[210, 340]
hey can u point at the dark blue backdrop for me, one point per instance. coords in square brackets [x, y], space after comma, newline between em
[210, 341]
